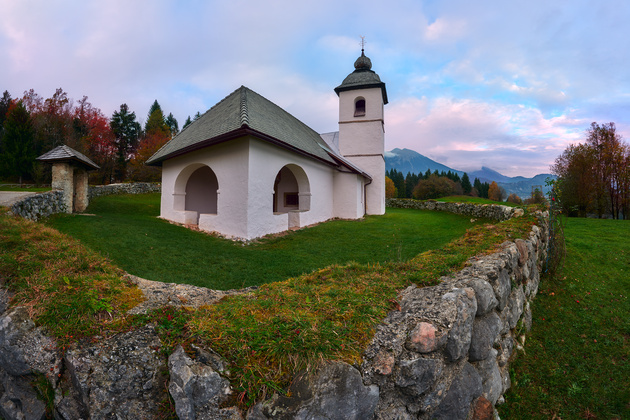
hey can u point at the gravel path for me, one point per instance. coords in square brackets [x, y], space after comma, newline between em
[7, 198]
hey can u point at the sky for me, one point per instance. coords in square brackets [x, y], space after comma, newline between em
[502, 84]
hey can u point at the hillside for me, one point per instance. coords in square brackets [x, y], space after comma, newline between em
[406, 160]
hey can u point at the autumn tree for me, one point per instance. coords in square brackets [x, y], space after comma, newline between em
[17, 149]
[126, 131]
[593, 176]
[433, 187]
[513, 198]
[494, 193]
[390, 189]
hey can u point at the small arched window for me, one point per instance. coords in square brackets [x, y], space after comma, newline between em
[359, 107]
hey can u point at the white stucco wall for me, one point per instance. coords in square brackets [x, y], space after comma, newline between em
[348, 196]
[266, 160]
[229, 161]
[246, 169]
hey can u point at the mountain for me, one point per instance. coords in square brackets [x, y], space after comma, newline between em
[405, 160]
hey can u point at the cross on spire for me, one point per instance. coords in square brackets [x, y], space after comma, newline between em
[362, 43]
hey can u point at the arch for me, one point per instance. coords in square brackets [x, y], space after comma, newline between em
[291, 190]
[196, 189]
[359, 107]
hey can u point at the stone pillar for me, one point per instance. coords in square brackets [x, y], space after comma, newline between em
[63, 179]
[80, 189]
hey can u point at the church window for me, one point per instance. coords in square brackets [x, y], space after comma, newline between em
[359, 107]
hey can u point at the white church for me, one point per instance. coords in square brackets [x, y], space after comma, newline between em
[247, 168]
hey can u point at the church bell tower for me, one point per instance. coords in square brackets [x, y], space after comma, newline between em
[362, 97]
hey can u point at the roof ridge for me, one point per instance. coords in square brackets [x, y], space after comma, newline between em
[244, 116]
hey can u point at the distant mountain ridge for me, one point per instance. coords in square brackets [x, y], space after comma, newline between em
[406, 160]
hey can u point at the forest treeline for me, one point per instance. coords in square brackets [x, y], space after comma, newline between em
[32, 125]
[432, 185]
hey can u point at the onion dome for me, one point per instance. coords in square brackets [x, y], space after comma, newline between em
[363, 77]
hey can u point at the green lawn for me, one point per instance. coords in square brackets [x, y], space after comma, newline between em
[478, 200]
[125, 228]
[24, 187]
[577, 361]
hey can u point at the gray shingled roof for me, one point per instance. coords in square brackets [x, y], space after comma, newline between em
[362, 77]
[241, 113]
[65, 153]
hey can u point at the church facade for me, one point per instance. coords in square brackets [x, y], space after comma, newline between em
[247, 168]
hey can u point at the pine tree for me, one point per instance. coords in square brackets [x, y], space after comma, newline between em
[126, 132]
[466, 186]
[187, 122]
[18, 153]
[172, 124]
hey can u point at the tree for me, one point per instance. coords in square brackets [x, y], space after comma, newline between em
[433, 187]
[390, 189]
[593, 176]
[149, 144]
[172, 124]
[494, 193]
[5, 103]
[513, 198]
[575, 185]
[187, 122]
[466, 185]
[156, 122]
[17, 151]
[126, 132]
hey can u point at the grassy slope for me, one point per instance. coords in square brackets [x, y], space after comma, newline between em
[126, 230]
[577, 362]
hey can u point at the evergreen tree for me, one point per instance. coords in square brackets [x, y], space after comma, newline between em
[5, 103]
[466, 186]
[172, 124]
[126, 132]
[156, 122]
[187, 122]
[18, 153]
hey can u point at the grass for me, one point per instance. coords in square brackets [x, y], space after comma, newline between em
[476, 200]
[125, 229]
[24, 187]
[266, 336]
[577, 360]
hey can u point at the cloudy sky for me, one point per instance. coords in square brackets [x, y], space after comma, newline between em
[504, 84]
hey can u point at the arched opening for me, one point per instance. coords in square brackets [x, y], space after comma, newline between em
[201, 191]
[196, 192]
[359, 107]
[291, 190]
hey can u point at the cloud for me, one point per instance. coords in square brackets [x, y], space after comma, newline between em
[466, 134]
[469, 83]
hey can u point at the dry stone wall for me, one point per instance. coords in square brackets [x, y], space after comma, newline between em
[443, 354]
[488, 211]
[127, 188]
[35, 207]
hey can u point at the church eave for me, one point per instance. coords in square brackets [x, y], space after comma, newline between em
[381, 85]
